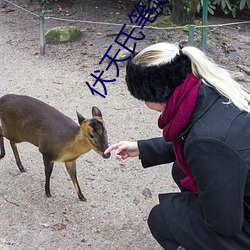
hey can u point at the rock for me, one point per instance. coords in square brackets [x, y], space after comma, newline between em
[123, 54]
[244, 68]
[63, 34]
[45, 225]
[2, 3]
[239, 76]
[136, 201]
[147, 193]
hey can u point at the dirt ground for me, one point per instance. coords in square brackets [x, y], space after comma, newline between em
[119, 195]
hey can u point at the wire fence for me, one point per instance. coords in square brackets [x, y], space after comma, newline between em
[42, 19]
[116, 24]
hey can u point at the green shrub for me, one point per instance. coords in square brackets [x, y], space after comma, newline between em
[232, 6]
[227, 6]
[211, 7]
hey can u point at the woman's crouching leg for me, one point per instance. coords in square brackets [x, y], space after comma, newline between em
[159, 229]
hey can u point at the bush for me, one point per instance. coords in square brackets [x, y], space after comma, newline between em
[232, 6]
[227, 6]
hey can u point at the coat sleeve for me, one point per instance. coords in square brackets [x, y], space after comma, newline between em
[220, 173]
[155, 151]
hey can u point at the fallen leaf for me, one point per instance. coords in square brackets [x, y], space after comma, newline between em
[58, 227]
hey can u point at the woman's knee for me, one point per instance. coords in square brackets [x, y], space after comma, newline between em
[159, 229]
[153, 218]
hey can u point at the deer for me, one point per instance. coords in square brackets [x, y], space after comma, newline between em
[58, 138]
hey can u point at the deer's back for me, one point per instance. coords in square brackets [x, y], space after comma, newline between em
[24, 118]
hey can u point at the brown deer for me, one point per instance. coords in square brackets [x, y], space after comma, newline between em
[59, 138]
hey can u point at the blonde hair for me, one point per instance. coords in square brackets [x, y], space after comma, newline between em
[202, 67]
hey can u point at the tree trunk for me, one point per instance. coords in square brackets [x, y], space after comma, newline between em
[183, 11]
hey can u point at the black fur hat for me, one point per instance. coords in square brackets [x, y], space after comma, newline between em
[156, 83]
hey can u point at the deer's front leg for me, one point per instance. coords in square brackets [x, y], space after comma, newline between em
[71, 168]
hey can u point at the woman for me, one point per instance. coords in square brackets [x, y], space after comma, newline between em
[205, 118]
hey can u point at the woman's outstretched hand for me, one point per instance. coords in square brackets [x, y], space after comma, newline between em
[124, 150]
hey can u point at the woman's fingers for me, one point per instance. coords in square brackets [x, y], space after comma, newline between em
[124, 149]
[113, 147]
[121, 148]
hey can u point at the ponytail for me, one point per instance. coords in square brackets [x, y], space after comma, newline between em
[218, 78]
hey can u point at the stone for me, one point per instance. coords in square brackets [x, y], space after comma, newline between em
[63, 34]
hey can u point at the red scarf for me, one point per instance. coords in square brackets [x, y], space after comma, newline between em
[175, 118]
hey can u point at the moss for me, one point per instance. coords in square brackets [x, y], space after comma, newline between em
[63, 34]
[123, 54]
[210, 34]
[163, 21]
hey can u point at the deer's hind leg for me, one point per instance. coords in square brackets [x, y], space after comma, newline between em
[71, 168]
[18, 161]
[1, 144]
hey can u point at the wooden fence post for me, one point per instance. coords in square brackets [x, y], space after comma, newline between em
[204, 24]
[42, 32]
[191, 35]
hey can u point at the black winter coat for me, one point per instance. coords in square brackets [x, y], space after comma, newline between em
[216, 145]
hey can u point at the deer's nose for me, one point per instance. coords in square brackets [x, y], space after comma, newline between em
[106, 156]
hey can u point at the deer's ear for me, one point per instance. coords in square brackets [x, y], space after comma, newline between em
[80, 118]
[96, 112]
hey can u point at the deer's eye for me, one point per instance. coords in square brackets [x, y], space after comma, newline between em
[91, 136]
